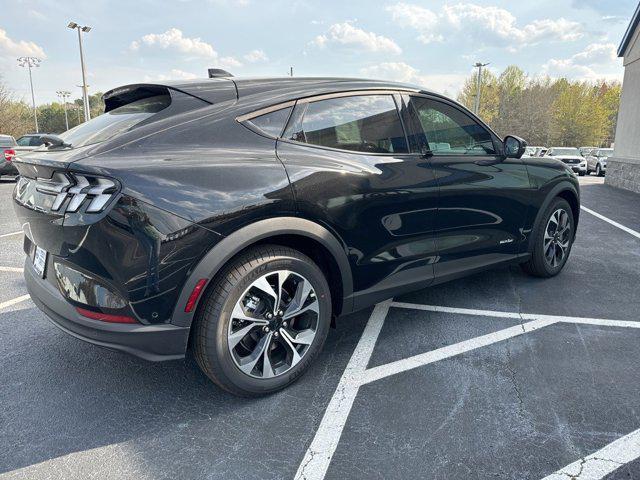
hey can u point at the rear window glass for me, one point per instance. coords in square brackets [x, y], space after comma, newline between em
[115, 121]
[272, 123]
[7, 142]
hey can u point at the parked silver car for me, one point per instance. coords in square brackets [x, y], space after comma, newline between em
[571, 156]
[597, 160]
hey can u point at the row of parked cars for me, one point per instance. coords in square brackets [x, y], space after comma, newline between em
[582, 161]
[10, 147]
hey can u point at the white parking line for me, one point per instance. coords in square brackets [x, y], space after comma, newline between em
[393, 368]
[316, 461]
[10, 234]
[608, 220]
[13, 301]
[603, 462]
[11, 269]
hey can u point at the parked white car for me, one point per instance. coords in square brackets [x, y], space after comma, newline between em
[597, 160]
[571, 156]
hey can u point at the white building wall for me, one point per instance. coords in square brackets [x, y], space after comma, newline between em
[623, 168]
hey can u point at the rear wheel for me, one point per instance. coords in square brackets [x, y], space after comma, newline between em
[598, 170]
[553, 240]
[263, 322]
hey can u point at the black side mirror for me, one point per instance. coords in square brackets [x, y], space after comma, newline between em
[514, 147]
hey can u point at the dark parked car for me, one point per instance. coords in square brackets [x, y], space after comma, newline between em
[235, 218]
[8, 149]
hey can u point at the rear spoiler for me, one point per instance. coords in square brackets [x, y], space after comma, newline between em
[215, 90]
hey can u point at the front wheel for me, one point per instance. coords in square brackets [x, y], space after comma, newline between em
[553, 240]
[263, 322]
[599, 171]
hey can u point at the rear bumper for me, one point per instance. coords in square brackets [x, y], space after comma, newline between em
[150, 342]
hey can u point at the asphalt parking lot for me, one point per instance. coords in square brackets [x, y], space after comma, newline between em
[498, 375]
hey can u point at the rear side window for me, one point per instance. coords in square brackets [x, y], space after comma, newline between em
[365, 123]
[271, 123]
[116, 121]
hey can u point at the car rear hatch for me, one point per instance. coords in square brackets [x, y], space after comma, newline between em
[57, 200]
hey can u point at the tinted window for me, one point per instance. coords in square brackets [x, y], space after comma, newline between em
[115, 121]
[36, 141]
[450, 131]
[24, 141]
[367, 123]
[272, 123]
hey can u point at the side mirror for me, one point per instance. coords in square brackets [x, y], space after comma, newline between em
[514, 147]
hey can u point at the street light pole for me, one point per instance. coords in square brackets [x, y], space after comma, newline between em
[85, 94]
[478, 65]
[31, 62]
[64, 94]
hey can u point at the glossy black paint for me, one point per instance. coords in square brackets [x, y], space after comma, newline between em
[190, 179]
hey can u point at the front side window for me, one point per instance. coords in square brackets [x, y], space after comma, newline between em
[364, 123]
[450, 131]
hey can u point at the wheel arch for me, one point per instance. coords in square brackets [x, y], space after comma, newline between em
[565, 190]
[306, 236]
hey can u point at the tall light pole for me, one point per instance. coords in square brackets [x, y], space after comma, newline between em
[31, 62]
[64, 94]
[85, 94]
[478, 65]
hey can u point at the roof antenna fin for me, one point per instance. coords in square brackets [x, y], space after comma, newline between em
[218, 72]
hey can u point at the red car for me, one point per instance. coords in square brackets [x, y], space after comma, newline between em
[7, 147]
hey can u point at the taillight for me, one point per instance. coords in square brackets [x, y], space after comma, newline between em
[96, 191]
[9, 154]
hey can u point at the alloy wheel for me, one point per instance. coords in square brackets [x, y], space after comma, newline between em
[557, 236]
[273, 324]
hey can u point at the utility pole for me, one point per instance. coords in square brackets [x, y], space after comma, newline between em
[85, 94]
[64, 94]
[291, 71]
[478, 65]
[31, 62]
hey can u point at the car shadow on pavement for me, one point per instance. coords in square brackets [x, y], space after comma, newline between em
[61, 396]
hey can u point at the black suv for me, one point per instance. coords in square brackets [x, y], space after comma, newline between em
[235, 218]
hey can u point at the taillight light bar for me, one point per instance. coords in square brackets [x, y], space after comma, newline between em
[78, 187]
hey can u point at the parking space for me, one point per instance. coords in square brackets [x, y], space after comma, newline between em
[497, 375]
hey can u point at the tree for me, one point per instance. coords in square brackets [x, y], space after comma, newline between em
[544, 111]
[16, 117]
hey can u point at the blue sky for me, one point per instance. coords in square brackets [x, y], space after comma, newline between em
[431, 43]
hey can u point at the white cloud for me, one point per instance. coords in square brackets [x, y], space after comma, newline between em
[229, 62]
[174, 74]
[405, 73]
[346, 34]
[173, 39]
[485, 24]
[597, 60]
[256, 56]
[13, 48]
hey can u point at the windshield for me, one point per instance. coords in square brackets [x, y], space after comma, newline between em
[116, 121]
[566, 151]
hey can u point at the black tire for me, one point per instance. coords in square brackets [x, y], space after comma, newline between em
[599, 171]
[582, 174]
[210, 341]
[538, 265]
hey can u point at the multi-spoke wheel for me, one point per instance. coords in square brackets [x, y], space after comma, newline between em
[263, 322]
[552, 240]
[273, 324]
[557, 236]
